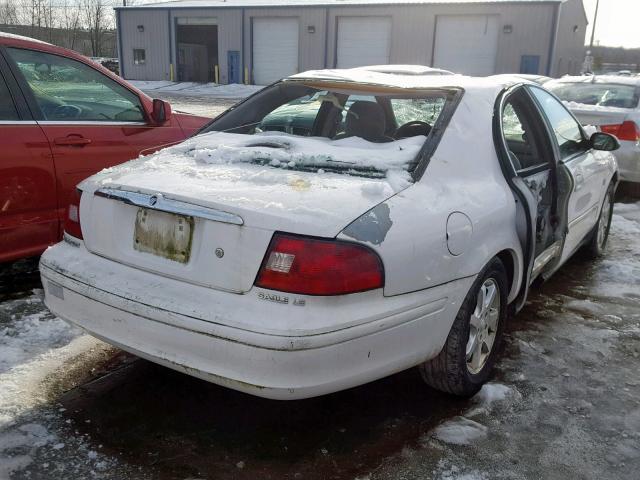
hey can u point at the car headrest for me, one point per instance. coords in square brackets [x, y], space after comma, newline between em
[365, 120]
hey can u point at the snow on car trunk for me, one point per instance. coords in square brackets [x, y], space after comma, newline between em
[256, 184]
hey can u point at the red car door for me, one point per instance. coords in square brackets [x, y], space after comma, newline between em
[91, 121]
[28, 203]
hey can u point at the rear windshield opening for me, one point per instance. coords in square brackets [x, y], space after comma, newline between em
[598, 94]
[302, 127]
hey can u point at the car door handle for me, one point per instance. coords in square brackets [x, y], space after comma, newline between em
[579, 180]
[72, 141]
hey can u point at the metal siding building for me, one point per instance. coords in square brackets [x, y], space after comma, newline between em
[261, 40]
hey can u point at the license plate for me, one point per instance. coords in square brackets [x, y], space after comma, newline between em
[163, 234]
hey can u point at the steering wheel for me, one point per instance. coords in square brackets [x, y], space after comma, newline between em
[67, 111]
[412, 129]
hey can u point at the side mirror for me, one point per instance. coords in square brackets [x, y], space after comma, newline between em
[604, 141]
[161, 111]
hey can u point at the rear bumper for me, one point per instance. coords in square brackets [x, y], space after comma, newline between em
[121, 305]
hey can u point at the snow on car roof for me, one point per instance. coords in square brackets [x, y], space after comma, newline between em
[363, 76]
[620, 79]
[406, 70]
[20, 37]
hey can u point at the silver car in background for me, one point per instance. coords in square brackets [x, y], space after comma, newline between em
[609, 102]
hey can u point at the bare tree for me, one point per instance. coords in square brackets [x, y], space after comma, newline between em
[70, 22]
[9, 13]
[96, 15]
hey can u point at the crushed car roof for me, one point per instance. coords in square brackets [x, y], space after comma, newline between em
[362, 76]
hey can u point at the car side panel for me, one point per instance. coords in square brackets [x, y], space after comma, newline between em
[82, 147]
[28, 218]
[592, 172]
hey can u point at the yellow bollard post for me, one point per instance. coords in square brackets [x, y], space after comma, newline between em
[216, 74]
[171, 72]
[246, 76]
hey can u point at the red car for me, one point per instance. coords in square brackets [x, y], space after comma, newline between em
[63, 118]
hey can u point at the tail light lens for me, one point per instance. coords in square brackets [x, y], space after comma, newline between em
[312, 266]
[628, 130]
[72, 220]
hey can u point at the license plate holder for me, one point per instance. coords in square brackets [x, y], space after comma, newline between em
[163, 234]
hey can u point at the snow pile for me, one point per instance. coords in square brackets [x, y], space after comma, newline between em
[629, 210]
[242, 169]
[289, 151]
[624, 226]
[494, 392]
[27, 436]
[33, 334]
[233, 90]
[33, 345]
[456, 475]
[460, 431]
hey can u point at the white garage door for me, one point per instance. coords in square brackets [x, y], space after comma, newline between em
[275, 49]
[467, 43]
[363, 41]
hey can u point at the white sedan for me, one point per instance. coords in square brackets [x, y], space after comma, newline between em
[335, 228]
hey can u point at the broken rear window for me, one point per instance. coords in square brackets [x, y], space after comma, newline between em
[354, 129]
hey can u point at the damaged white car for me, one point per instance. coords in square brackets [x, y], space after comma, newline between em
[335, 228]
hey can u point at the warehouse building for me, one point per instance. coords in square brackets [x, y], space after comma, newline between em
[260, 41]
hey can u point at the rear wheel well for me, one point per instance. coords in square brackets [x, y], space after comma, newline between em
[506, 257]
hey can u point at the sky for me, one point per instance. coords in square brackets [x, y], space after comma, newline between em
[618, 22]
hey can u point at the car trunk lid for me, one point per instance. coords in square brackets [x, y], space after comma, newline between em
[211, 223]
[597, 116]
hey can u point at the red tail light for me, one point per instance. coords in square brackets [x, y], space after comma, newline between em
[312, 266]
[628, 130]
[72, 220]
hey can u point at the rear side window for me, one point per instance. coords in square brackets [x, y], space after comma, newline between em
[68, 90]
[567, 130]
[7, 107]
[417, 110]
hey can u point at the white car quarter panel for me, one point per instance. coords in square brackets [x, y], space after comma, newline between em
[463, 175]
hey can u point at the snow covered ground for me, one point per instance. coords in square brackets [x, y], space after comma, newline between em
[564, 403]
[233, 91]
[206, 99]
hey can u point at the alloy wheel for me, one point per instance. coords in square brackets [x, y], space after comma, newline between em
[483, 326]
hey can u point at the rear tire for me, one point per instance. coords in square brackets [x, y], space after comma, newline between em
[468, 355]
[597, 243]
